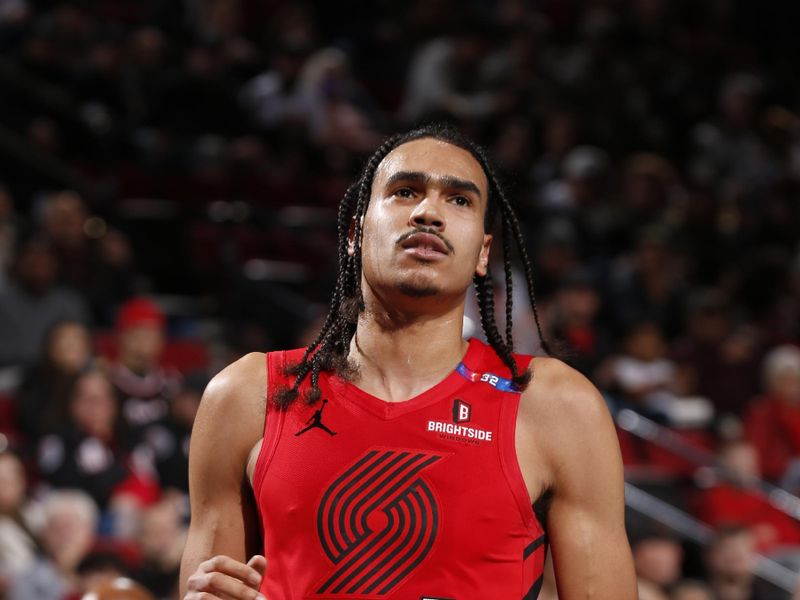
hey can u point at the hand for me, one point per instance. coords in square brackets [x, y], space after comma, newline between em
[223, 577]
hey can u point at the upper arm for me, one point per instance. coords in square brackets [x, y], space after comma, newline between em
[586, 518]
[229, 423]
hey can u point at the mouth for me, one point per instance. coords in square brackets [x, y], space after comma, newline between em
[426, 246]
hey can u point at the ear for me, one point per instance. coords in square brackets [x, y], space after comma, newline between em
[483, 257]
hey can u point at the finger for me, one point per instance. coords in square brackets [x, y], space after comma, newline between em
[259, 563]
[226, 586]
[233, 568]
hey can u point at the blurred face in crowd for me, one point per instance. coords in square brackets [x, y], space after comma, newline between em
[732, 557]
[68, 534]
[741, 459]
[93, 407]
[579, 304]
[785, 384]
[141, 346]
[709, 326]
[64, 219]
[691, 590]
[649, 591]
[36, 267]
[13, 483]
[160, 528]
[645, 342]
[658, 560]
[69, 348]
[652, 257]
[440, 188]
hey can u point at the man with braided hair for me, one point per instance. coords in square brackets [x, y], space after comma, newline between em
[455, 463]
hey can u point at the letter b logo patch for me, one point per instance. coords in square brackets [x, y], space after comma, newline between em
[462, 412]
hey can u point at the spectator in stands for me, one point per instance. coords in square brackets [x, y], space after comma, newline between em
[337, 110]
[772, 421]
[168, 439]
[643, 375]
[658, 560]
[33, 303]
[19, 543]
[92, 259]
[690, 589]
[718, 359]
[68, 531]
[649, 285]
[161, 539]
[90, 451]
[142, 384]
[574, 320]
[45, 389]
[737, 499]
[649, 591]
[444, 80]
[730, 561]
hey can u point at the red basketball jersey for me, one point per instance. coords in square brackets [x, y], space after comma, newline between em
[414, 500]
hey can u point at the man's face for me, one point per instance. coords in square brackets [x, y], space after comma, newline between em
[423, 233]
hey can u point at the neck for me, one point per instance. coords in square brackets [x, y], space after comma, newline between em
[400, 355]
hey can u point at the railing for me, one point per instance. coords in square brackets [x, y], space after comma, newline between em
[683, 523]
[651, 431]
[700, 533]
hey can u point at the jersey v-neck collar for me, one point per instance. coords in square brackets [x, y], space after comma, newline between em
[387, 410]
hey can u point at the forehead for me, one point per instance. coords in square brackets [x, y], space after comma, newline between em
[433, 157]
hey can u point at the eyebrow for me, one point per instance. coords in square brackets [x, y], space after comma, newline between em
[447, 181]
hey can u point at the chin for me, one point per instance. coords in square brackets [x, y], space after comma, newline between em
[418, 289]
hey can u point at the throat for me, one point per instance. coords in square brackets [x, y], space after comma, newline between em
[397, 375]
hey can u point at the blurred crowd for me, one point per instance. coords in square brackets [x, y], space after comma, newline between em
[169, 175]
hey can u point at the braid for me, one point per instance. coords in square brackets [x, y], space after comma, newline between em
[509, 283]
[330, 349]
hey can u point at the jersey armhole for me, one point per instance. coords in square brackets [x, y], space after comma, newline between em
[273, 419]
[509, 461]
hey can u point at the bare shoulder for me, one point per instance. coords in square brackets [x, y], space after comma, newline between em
[234, 404]
[558, 391]
[565, 415]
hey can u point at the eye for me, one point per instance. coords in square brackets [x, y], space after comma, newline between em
[404, 192]
[461, 201]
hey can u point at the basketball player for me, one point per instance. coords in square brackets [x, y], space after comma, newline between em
[454, 463]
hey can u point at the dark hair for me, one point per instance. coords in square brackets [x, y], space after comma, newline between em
[329, 351]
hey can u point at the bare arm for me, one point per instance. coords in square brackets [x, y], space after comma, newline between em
[229, 424]
[576, 440]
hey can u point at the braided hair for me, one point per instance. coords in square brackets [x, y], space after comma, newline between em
[329, 351]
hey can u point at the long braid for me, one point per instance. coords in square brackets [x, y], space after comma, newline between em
[330, 349]
[509, 282]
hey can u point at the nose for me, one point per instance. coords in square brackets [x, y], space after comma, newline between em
[427, 214]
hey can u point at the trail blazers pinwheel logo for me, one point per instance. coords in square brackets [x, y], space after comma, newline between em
[377, 522]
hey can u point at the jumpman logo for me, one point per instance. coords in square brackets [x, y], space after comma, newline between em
[316, 421]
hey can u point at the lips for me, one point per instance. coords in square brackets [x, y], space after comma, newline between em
[426, 245]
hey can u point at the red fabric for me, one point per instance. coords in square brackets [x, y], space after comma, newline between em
[389, 507]
[138, 312]
[773, 427]
[727, 505]
[145, 490]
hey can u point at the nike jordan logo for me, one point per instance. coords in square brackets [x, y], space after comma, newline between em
[316, 421]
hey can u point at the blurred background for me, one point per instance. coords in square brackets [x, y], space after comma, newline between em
[169, 176]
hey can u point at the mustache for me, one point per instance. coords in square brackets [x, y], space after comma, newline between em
[428, 230]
